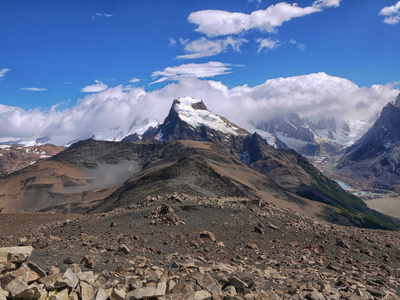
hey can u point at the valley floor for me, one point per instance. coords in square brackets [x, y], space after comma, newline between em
[387, 205]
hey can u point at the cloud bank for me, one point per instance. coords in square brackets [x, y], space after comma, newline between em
[314, 96]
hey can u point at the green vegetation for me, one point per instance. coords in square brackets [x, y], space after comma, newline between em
[350, 206]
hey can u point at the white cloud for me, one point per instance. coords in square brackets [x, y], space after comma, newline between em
[313, 96]
[134, 80]
[33, 89]
[172, 42]
[327, 3]
[258, 2]
[391, 13]
[204, 47]
[105, 15]
[300, 46]
[218, 22]
[3, 72]
[209, 69]
[95, 88]
[267, 44]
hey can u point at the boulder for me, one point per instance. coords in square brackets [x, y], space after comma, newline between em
[15, 254]
[208, 235]
[156, 290]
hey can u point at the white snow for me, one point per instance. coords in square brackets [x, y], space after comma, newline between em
[292, 143]
[198, 117]
[138, 126]
[357, 129]
[4, 147]
[245, 157]
[269, 137]
[159, 136]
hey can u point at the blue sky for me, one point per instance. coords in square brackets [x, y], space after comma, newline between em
[51, 50]
[75, 69]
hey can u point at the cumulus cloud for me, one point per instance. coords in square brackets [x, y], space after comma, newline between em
[204, 47]
[314, 96]
[267, 44]
[205, 70]
[33, 89]
[134, 80]
[219, 22]
[391, 14]
[95, 88]
[3, 72]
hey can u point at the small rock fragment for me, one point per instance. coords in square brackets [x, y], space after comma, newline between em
[208, 235]
[88, 262]
[258, 229]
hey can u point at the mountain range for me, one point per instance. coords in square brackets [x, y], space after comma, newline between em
[194, 151]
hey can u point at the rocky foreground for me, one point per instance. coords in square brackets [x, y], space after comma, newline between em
[183, 247]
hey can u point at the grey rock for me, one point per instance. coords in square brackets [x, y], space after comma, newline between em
[15, 254]
[156, 290]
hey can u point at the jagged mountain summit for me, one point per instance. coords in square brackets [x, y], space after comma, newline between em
[374, 160]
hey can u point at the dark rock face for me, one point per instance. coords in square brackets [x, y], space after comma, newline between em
[375, 158]
[132, 138]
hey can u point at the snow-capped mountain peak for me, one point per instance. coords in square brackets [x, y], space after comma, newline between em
[189, 118]
[195, 113]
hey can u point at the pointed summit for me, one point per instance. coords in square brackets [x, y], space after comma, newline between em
[189, 118]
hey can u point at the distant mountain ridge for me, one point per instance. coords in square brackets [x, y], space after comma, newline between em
[325, 137]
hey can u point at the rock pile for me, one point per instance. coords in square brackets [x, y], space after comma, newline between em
[191, 278]
[166, 215]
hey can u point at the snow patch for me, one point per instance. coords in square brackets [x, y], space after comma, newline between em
[199, 117]
[292, 143]
[245, 157]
